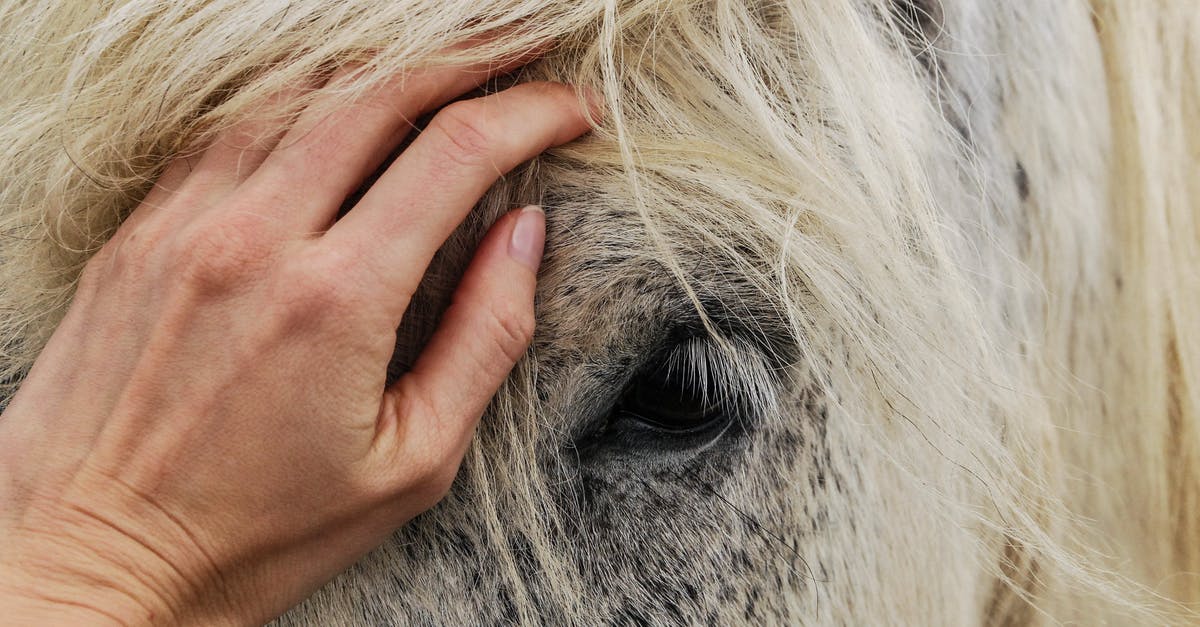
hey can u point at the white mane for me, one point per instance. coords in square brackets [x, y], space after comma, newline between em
[1018, 376]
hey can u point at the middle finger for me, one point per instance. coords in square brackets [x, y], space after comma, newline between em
[331, 149]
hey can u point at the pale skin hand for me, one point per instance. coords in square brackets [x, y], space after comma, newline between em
[207, 437]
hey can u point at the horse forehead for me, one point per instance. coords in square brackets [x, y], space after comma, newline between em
[602, 292]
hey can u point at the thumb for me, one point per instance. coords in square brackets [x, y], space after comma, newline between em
[483, 333]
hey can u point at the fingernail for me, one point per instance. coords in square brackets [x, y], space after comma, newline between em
[528, 237]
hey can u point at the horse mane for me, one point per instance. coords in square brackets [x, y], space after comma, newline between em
[1152, 377]
[796, 142]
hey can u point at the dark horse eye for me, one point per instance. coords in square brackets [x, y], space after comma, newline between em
[672, 397]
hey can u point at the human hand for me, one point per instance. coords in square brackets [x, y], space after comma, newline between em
[207, 436]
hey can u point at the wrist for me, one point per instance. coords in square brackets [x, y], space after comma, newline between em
[25, 602]
[96, 561]
[48, 581]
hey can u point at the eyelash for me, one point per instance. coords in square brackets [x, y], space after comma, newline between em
[694, 388]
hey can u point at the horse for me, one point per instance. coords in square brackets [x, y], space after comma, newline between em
[852, 312]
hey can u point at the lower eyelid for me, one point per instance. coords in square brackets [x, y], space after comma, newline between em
[698, 428]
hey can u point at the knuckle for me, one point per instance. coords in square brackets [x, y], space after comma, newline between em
[430, 467]
[463, 130]
[440, 485]
[440, 480]
[131, 252]
[433, 476]
[512, 330]
[548, 89]
[91, 276]
[324, 282]
[223, 252]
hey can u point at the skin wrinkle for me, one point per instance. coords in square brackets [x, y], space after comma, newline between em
[911, 218]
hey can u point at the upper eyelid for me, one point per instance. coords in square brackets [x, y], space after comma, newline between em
[744, 379]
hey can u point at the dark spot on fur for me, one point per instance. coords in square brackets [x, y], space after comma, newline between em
[920, 17]
[1021, 177]
[508, 608]
[1008, 606]
[921, 22]
[629, 616]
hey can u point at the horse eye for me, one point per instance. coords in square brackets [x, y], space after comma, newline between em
[672, 398]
